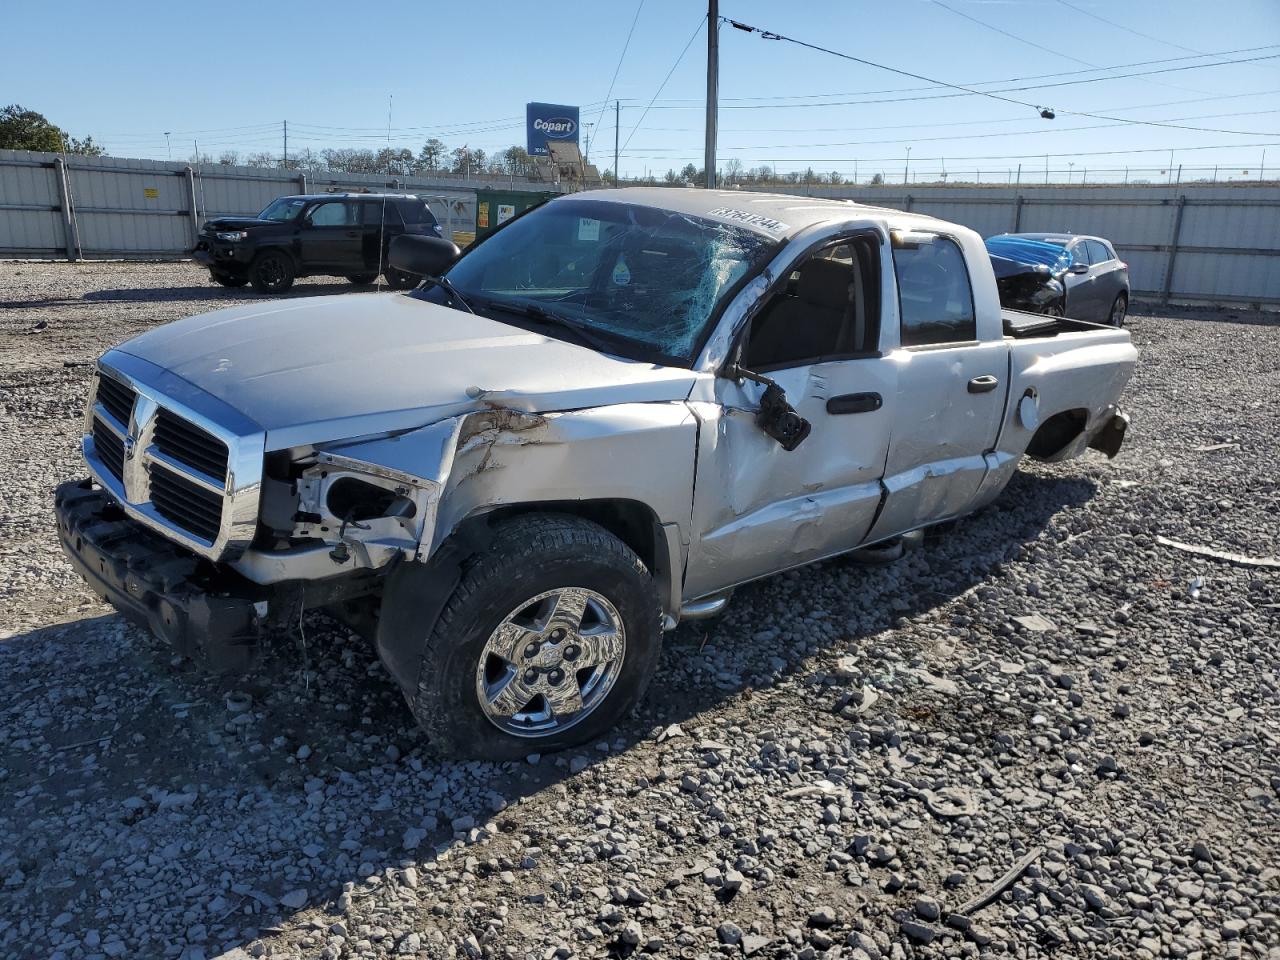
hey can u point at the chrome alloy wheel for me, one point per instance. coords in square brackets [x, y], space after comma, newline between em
[550, 662]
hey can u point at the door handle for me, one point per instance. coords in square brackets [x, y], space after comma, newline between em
[983, 384]
[353, 233]
[854, 403]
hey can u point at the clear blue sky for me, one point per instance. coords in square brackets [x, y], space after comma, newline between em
[228, 73]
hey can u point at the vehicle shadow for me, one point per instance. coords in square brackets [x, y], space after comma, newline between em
[132, 785]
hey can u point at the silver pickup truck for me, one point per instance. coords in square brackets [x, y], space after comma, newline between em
[599, 420]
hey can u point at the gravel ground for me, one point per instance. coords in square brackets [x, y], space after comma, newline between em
[835, 768]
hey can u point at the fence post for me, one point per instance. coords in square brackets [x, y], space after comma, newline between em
[71, 235]
[302, 183]
[910, 200]
[191, 198]
[1173, 249]
[1017, 213]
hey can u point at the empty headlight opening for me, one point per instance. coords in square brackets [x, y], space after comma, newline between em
[350, 499]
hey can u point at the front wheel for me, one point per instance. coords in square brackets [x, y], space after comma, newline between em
[549, 639]
[271, 272]
[1118, 310]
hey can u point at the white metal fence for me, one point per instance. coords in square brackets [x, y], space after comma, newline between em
[110, 207]
[1182, 242]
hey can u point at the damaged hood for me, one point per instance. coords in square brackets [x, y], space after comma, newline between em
[331, 368]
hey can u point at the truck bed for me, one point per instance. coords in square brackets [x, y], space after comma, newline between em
[1022, 325]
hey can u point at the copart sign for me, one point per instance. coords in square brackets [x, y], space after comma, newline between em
[549, 121]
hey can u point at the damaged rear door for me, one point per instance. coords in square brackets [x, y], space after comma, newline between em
[953, 372]
[760, 508]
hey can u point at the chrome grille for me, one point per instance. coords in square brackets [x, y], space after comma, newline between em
[182, 502]
[110, 448]
[188, 444]
[116, 399]
[188, 467]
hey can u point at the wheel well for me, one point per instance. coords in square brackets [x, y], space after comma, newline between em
[1057, 433]
[631, 521]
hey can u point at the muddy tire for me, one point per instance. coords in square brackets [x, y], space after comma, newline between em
[550, 638]
[271, 272]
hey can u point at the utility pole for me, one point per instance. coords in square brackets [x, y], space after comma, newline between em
[286, 144]
[713, 88]
[907, 168]
[166, 144]
[617, 122]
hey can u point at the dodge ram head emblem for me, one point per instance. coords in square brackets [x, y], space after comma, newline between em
[130, 445]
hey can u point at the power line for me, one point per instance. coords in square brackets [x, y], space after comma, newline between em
[982, 83]
[1032, 43]
[971, 136]
[1007, 156]
[698, 29]
[964, 89]
[1013, 36]
[1043, 111]
[605, 102]
[1120, 26]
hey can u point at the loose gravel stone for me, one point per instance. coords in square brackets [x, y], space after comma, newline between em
[848, 744]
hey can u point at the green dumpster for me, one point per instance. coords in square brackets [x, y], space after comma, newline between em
[495, 207]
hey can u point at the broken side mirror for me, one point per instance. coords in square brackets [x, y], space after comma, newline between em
[775, 416]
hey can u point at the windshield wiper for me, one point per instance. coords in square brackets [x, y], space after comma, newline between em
[540, 313]
[445, 284]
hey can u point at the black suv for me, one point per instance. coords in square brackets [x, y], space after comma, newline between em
[332, 234]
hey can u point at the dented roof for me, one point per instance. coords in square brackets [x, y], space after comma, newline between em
[775, 214]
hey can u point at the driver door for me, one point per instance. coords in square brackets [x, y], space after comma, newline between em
[331, 236]
[758, 508]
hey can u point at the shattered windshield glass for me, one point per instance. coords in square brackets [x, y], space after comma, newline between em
[645, 278]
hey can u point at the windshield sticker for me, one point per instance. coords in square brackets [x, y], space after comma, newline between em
[588, 229]
[750, 219]
[621, 273]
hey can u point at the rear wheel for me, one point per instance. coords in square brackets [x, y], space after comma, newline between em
[399, 280]
[363, 279]
[271, 272]
[1118, 310]
[550, 638]
[228, 279]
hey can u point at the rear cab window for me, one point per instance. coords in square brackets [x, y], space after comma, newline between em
[935, 296]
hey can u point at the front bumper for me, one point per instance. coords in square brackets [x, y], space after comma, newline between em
[203, 610]
[218, 255]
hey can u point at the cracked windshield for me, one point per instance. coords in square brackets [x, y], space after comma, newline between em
[634, 276]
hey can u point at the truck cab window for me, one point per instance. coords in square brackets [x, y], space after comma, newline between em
[829, 308]
[934, 295]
